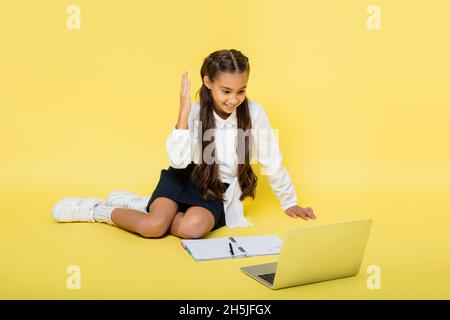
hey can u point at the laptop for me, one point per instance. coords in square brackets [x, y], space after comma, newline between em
[315, 254]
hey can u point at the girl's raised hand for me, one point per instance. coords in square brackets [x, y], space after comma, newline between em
[185, 95]
[304, 213]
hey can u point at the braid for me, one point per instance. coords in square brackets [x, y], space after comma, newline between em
[234, 60]
[206, 174]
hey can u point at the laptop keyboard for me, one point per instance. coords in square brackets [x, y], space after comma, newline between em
[269, 277]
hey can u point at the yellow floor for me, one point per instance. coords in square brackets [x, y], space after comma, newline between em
[362, 114]
[409, 242]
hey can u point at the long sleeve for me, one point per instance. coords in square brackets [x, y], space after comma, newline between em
[181, 143]
[270, 158]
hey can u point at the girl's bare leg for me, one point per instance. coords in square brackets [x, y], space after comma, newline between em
[155, 224]
[193, 224]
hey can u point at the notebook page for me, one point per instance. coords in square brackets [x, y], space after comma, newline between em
[214, 248]
[260, 245]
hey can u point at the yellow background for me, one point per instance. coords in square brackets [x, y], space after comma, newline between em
[363, 118]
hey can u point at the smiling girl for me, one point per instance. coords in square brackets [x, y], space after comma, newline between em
[210, 151]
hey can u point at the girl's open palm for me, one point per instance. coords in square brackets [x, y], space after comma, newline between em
[185, 95]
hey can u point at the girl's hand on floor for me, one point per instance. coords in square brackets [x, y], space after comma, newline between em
[185, 95]
[304, 213]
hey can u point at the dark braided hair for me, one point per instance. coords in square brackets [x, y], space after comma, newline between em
[207, 175]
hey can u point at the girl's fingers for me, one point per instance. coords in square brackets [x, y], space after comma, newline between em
[311, 213]
[300, 214]
[186, 89]
[306, 214]
[182, 79]
[185, 84]
[291, 214]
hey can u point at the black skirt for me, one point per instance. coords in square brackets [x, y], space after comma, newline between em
[176, 185]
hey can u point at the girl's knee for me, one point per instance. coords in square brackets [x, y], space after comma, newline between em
[194, 228]
[151, 228]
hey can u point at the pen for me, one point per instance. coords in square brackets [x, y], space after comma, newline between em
[231, 249]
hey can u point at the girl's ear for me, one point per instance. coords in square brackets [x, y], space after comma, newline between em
[207, 82]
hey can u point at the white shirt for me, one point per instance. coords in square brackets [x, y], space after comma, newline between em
[184, 147]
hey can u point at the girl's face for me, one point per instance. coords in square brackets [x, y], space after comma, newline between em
[228, 91]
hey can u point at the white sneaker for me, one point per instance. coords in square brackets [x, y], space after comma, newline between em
[127, 199]
[75, 209]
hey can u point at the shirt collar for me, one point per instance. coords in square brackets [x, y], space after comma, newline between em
[229, 122]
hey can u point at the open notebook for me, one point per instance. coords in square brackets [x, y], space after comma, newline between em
[232, 247]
